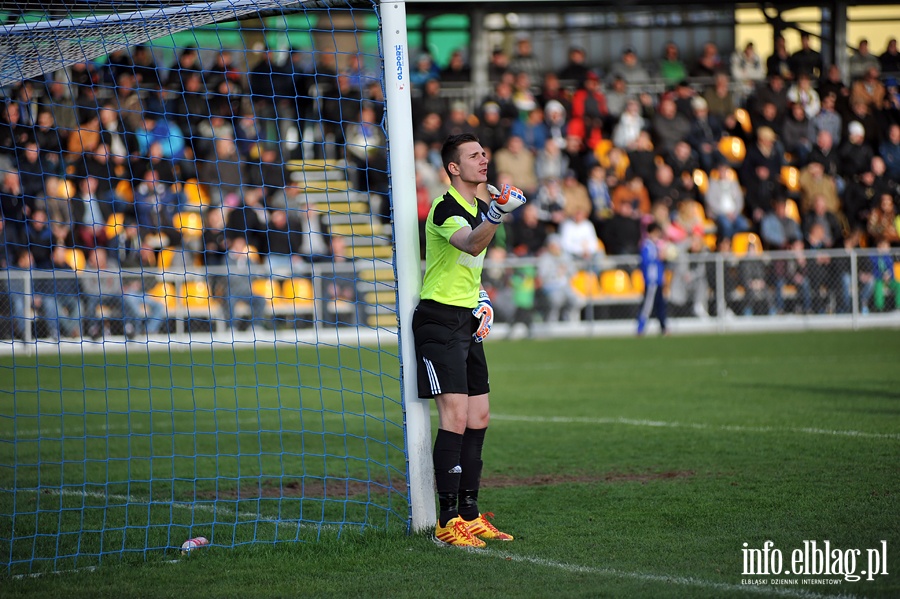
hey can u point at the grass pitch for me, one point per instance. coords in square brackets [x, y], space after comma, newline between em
[625, 468]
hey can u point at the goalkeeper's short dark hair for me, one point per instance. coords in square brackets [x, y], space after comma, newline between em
[450, 149]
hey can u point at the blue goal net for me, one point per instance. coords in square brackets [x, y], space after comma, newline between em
[198, 331]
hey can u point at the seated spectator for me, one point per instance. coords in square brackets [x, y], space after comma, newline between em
[499, 65]
[795, 134]
[155, 205]
[340, 306]
[630, 68]
[880, 276]
[551, 203]
[55, 297]
[725, 204]
[825, 280]
[794, 272]
[861, 61]
[516, 160]
[890, 60]
[556, 122]
[238, 289]
[632, 191]
[598, 188]
[283, 244]
[104, 287]
[155, 127]
[430, 100]
[869, 90]
[684, 95]
[550, 162]
[589, 111]
[761, 187]
[683, 159]
[457, 70]
[33, 168]
[578, 237]
[576, 194]
[629, 126]
[424, 70]
[689, 280]
[672, 232]
[223, 172]
[747, 69]
[854, 154]
[824, 151]
[642, 159]
[671, 68]
[555, 270]
[490, 130]
[860, 197]
[805, 61]
[247, 219]
[668, 126]
[576, 68]
[523, 96]
[774, 92]
[527, 234]
[617, 97]
[532, 129]
[777, 230]
[13, 131]
[214, 245]
[828, 119]
[765, 152]
[621, 234]
[768, 117]
[581, 159]
[859, 112]
[833, 83]
[882, 225]
[709, 62]
[803, 93]
[889, 150]
[832, 233]
[706, 131]
[502, 96]
[552, 89]
[815, 182]
[758, 297]
[663, 188]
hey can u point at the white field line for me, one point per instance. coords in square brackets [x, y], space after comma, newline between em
[78, 431]
[574, 568]
[694, 425]
[688, 581]
[130, 499]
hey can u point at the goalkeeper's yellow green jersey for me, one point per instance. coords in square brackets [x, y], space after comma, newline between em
[452, 277]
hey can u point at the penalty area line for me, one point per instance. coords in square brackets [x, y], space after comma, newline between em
[687, 581]
[696, 426]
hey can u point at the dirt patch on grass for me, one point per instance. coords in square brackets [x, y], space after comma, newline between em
[341, 489]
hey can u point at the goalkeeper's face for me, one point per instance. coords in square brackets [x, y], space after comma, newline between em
[473, 163]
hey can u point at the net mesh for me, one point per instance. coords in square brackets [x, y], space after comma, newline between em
[197, 321]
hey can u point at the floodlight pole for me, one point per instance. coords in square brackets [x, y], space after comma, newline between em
[417, 415]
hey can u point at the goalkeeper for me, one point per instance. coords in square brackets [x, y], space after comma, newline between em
[452, 319]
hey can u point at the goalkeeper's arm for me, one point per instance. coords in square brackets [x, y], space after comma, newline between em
[474, 241]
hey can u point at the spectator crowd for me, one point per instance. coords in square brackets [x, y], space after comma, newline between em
[107, 158]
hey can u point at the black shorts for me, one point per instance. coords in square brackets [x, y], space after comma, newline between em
[447, 357]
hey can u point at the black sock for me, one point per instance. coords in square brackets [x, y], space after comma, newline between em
[470, 480]
[447, 471]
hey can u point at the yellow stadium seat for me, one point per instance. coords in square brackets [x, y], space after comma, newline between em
[897, 270]
[195, 193]
[616, 282]
[733, 149]
[701, 179]
[196, 297]
[586, 284]
[294, 294]
[743, 118]
[746, 243]
[75, 259]
[189, 224]
[124, 190]
[790, 178]
[730, 174]
[602, 149]
[165, 292]
[637, 281]
[115, 225]
[791, 210]
[166, 258]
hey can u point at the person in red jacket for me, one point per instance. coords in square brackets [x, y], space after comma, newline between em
[589, 111]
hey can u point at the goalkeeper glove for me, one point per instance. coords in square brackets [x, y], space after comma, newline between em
[503, 202]
[484, 312]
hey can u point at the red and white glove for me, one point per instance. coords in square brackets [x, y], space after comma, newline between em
[484, 312]
[503, 201]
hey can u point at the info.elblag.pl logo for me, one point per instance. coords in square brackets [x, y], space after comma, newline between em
[814, 562]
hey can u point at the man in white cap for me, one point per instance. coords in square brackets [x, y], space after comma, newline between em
[855, 156]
